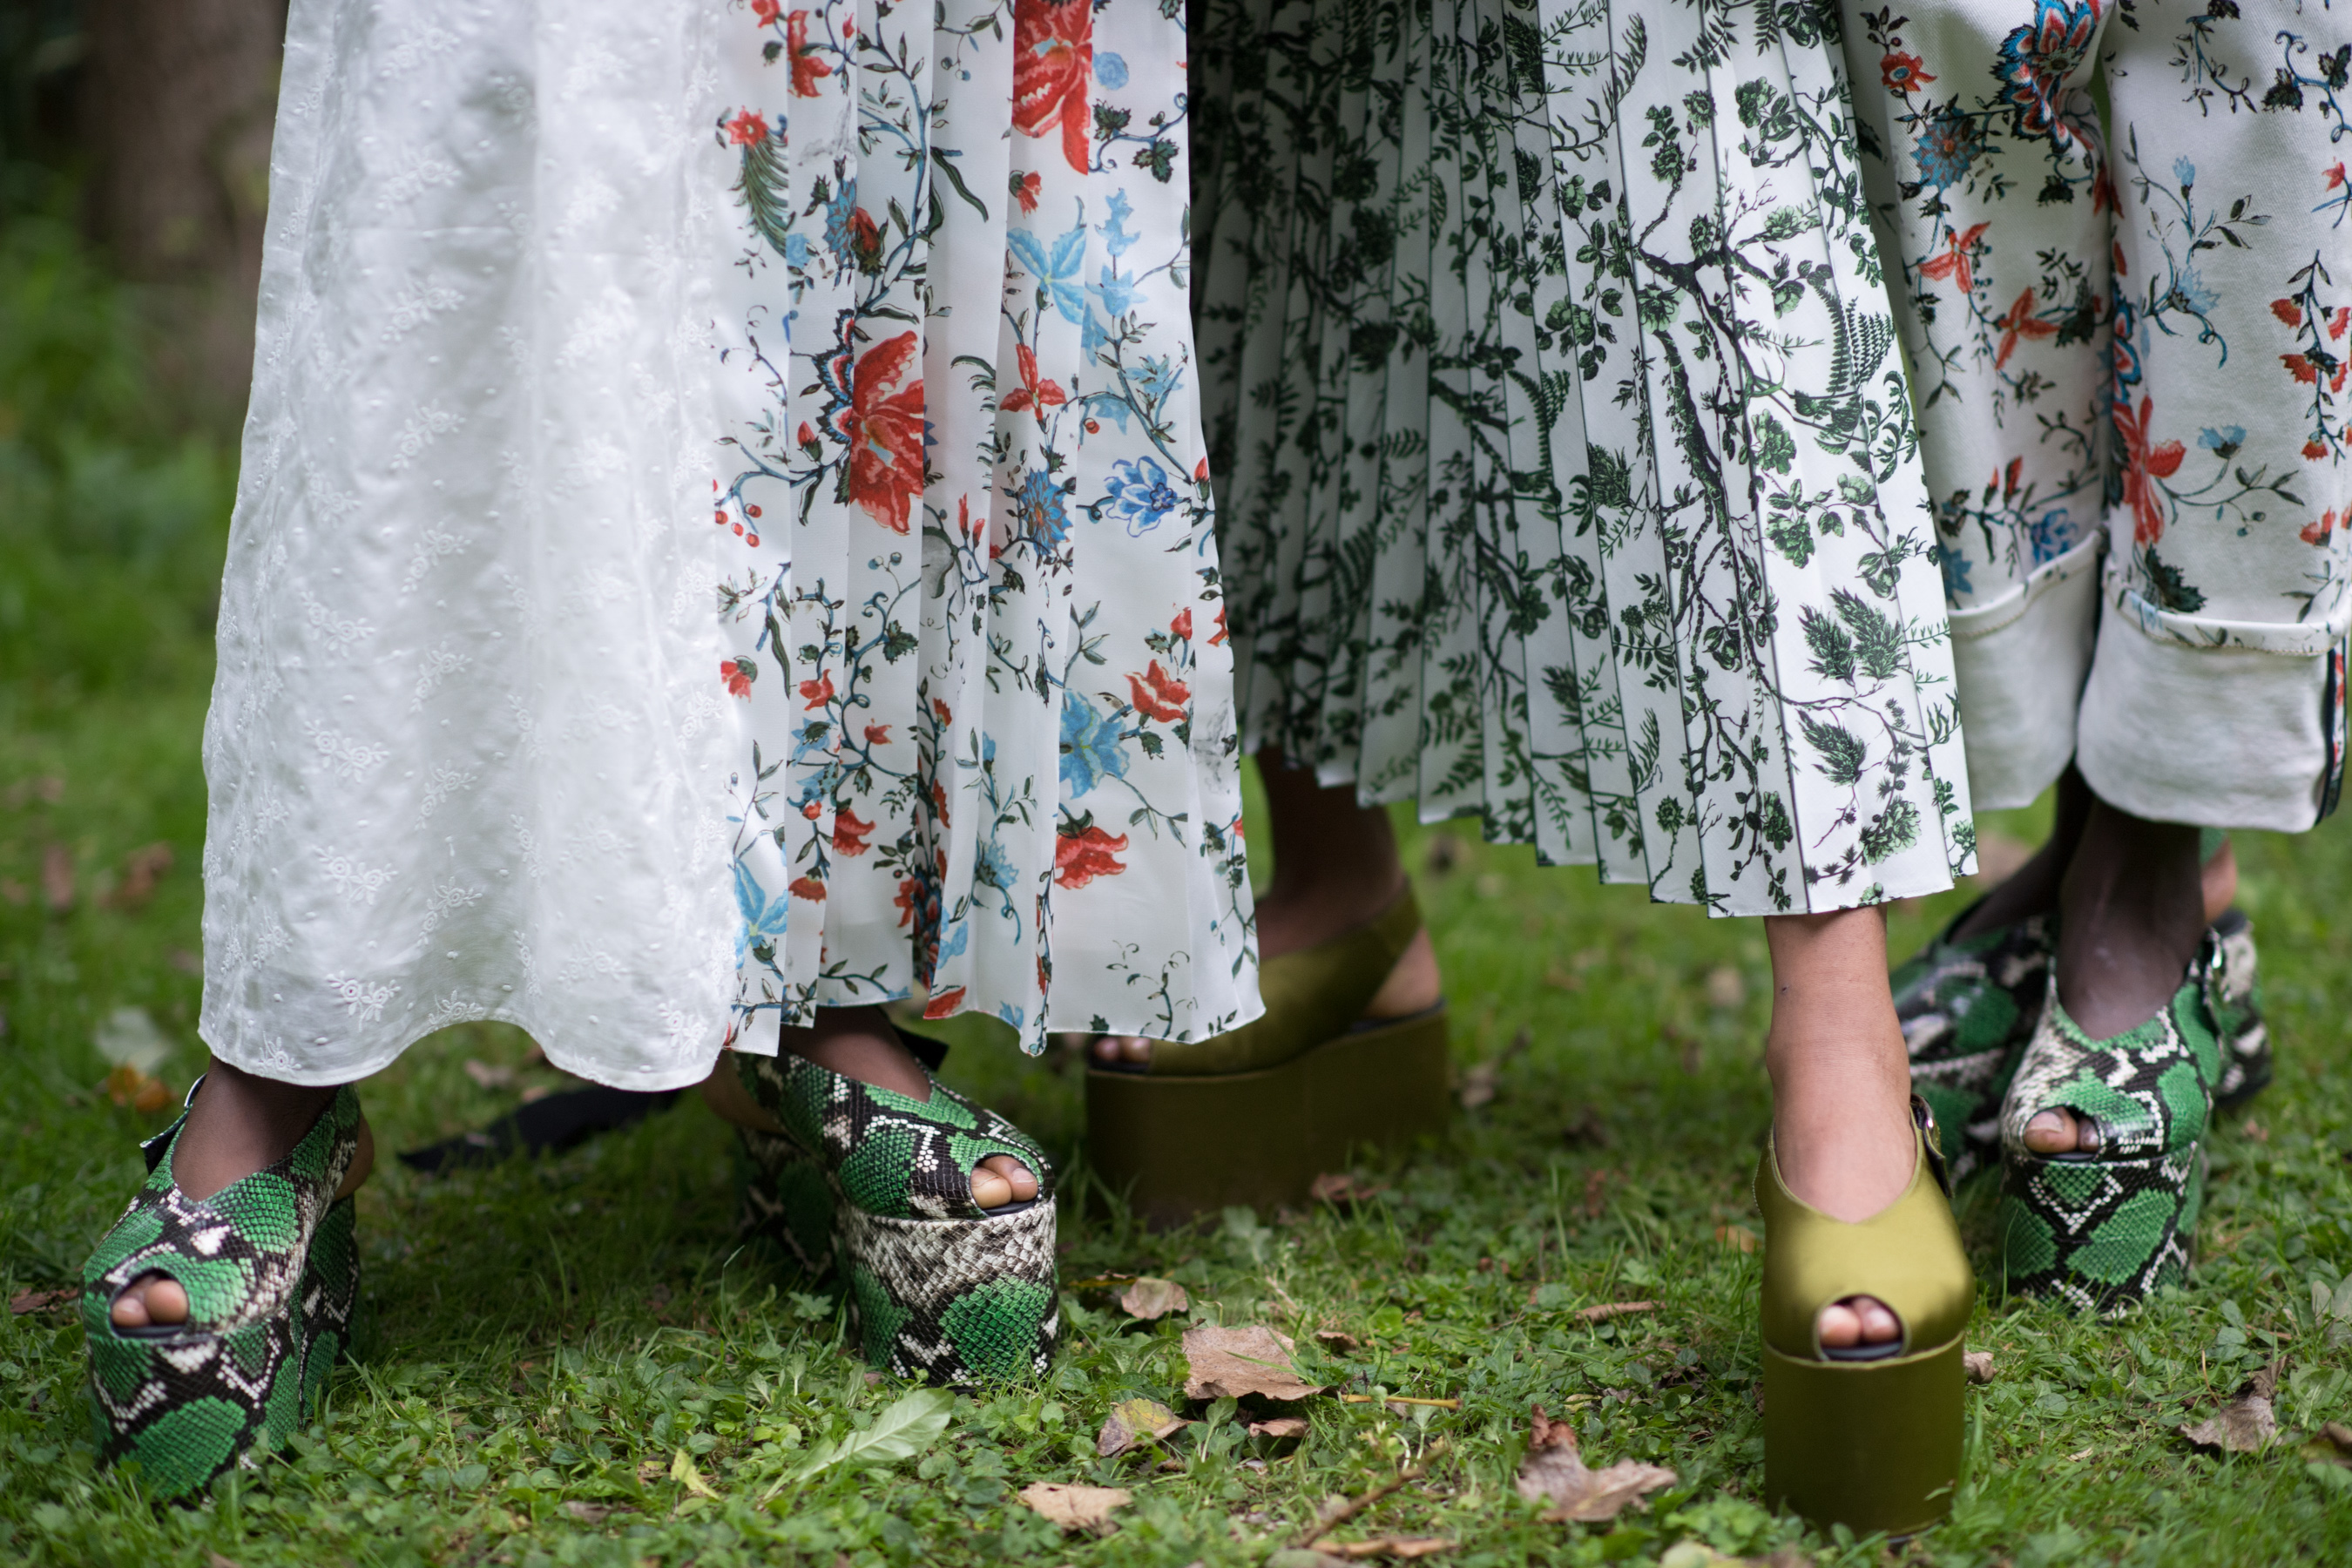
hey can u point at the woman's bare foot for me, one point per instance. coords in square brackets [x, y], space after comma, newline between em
[1335, 867]
[1840, 1086]
[859, 1043]
[238, 1124]
[2133, 909]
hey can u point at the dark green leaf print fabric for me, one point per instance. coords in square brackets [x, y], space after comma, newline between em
[1565, 468]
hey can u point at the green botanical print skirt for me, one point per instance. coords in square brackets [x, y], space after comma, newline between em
[1565, 470]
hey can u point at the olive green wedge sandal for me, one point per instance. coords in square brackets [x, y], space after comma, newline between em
[1253, 1115]
[2104, 1228]
[1869, 1436]
[939, 1288]
[271, 1267]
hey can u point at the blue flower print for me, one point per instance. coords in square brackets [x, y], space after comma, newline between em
[1949, 147]
[992, 867]
[1159, 378]
[2185, 171]
[764, 918]
[1116, 295]
[1110, 70]
[2222, 443]
[1138, 488]
[837, 211]
[1955, 572]
[1115, 240]
[1056, 269]
[2053, 534]
[1092, 746]
[796, 249]
[1043, 509]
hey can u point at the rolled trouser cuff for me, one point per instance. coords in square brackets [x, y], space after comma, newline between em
[2020, 663]
[2212, 723]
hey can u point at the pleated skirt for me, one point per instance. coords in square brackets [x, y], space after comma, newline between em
[1565, 468]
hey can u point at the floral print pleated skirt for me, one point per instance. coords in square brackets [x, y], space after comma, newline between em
[1565, 467]
[724, 532]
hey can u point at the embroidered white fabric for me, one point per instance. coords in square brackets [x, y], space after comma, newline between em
[463, 755]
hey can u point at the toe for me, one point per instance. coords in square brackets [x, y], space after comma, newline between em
[1136, 1049]
[2053, 1133]
[1840, 1327]
[989, 1190]
[152, 1300]
[1020, 1183]
[1106, 1047]
[1879, 1326]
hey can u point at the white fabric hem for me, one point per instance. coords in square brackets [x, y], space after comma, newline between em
[2219, 736]
[2021, 663]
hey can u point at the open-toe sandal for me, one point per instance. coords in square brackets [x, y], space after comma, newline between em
[939, 1288]
[270, 1266]
[2106, 1226]
[1969, 1008]
[1868, 1437]
[1253, 1115]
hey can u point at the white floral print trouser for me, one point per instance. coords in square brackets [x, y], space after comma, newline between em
[2128, 340]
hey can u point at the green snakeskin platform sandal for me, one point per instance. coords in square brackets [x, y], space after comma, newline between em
[939, 1288]
[1253, 1115]
[2104, 1228]
[1869, 1436]
[1969, 1008]
[271, 1267]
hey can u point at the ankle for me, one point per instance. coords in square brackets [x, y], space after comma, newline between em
[859, 1043]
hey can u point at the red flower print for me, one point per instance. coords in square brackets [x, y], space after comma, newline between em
[940, 802]
[1201, 472]
[812, 809]
[1954, 263]
[877, 734]
[2317, 532]
[884, 428]
[2338, 321]
[1902, 73]
[939, 712]
[1032, 394]
[1026, 188]
[2020, 323]
[1159, 695]
[1217, 639]
[739, 674]
[909, 893]
[807, 887]
[1182, 626]
[1053, 58]
[2300, 368]
[2287, 311]
[818, 692]
[2143, 466]
[808, 68]
[2314, 450]
[865, 240]
[1081, 856]
[746, 127]
[848, 833]
[766, 11]
[943, 1004]
[2335, 176]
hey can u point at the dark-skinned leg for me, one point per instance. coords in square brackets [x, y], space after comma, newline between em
[238, 1124]
[2132, 910]
[859, 1043]
[1841, 1084]
[2034, 887]
[1335, 866]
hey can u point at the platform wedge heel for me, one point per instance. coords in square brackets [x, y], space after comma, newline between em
[1868, 1437]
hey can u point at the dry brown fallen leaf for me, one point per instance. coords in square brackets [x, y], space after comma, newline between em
[27, 1301]
[1134, 1421]
[1280, 1426]
[594, 1512]
[1343, 1187]
[1226, 1363]
[485, 1076]
[1697, 1555]
[1738, 1238]
[2244, 1425]
[1338, 1339]
[1603, 1310]
[1407, 1546]
[1077, 1508]
[1980, 1366]
[1149, 1297]
[1556, 1473]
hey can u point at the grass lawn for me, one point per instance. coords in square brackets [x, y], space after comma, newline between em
[577, 1361]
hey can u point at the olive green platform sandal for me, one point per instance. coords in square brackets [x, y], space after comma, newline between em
[1868, 1437]
[1253, 1115]
[271, 1268]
